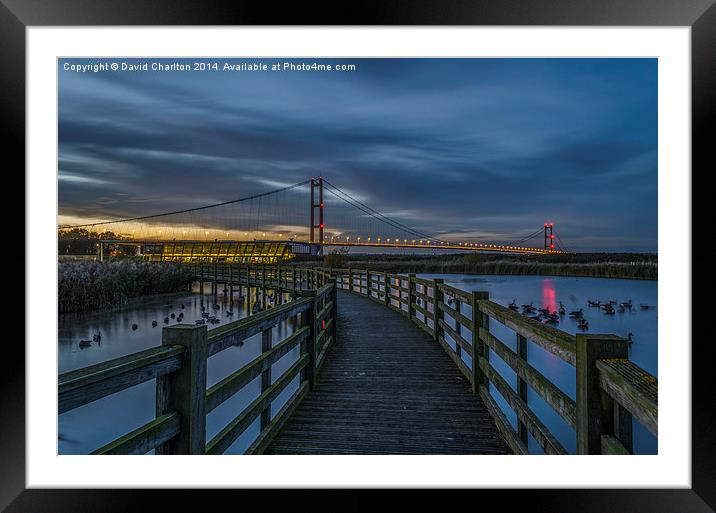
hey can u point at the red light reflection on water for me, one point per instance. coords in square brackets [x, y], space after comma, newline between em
[549, 295]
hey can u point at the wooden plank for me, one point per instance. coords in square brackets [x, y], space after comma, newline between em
[233, 430]
[452, 291]
[508, 433]
[611, 445]
[553, 396]
[555, 341]
[79, 387]
[462, 319]
[387, 391]
[461, 342]
[464, 369]
[145, 438]
[539, 431]
[266, 436]
[633, 388]
[235, 381]
[238, 331]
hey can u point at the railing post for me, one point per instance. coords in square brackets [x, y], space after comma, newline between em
[184, 391]
[367, 284]
[266, 376]
[334, 312]
[411, 284]
[479, 320]
[386, 279]
[437, 311]
[595, 415]
[350, 280]
[522, 387]
[310, 321]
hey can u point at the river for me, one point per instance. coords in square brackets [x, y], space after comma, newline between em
[93, 425]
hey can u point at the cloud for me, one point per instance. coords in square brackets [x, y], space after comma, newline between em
[479, 147]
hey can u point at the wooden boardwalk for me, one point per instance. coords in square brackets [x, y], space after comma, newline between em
[387, 388]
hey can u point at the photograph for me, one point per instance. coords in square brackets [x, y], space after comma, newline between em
[358, 255]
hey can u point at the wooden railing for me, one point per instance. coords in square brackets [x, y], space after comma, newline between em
[609, 387]
[179, 366]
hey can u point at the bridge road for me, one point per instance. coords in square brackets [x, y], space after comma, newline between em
[387, 388]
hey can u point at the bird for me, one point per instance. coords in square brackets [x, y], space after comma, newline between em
[134, 326]
[182, 306]
[561, 309]
[200, 321]
[85, 343]
[97, 336]
[583, 324]
[626, 304]
[576, 313]
[513, 306]
[166, 320]
[229, 313]
[630, 337]
[154, 324]
[594, 303]
[172, 315]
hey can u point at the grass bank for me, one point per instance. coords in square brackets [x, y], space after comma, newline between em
[87, 285]
[635, 266]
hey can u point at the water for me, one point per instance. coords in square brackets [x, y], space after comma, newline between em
[547, 292]
[87, 428]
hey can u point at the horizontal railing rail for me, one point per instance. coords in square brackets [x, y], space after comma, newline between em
[610, 388]
[179, 366]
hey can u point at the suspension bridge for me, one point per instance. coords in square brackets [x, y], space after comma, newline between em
[276, 225]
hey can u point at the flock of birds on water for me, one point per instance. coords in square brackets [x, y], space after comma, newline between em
[544, 316]
[206, 316]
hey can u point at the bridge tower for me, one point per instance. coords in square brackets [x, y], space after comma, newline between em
[548, 237]
[317, 203]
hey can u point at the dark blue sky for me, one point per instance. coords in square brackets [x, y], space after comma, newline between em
[468, 148]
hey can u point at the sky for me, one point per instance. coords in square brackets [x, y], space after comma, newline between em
[465, 149]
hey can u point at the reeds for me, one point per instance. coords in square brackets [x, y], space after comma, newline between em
[84, 285]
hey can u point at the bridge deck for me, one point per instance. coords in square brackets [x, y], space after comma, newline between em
[387, 388]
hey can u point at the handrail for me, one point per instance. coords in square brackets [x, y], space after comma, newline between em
[601, 362]
[179, 365]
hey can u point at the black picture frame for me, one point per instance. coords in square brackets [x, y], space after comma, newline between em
[700, 15]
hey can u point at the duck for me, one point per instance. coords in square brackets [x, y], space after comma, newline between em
[154, 324]
[85, 343]
[576, 313]
[134, 326]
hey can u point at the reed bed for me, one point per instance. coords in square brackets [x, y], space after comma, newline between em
[86, 285]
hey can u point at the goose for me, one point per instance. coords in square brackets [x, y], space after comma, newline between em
[200, 321]
[513, 306]
[576, 313]
[85, 343]
[626, 304]
[561, 309]
[630, 337]
[182, 306]
[97, 336]
[608, 309]
[583, 324]
[594, 303]
[154, 324]
[172, 315]
[229, 313]
[134, 326]
[166, 320]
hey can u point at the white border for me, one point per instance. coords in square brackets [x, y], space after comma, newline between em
[670, 468]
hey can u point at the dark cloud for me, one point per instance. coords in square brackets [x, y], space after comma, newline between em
[488, 148]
